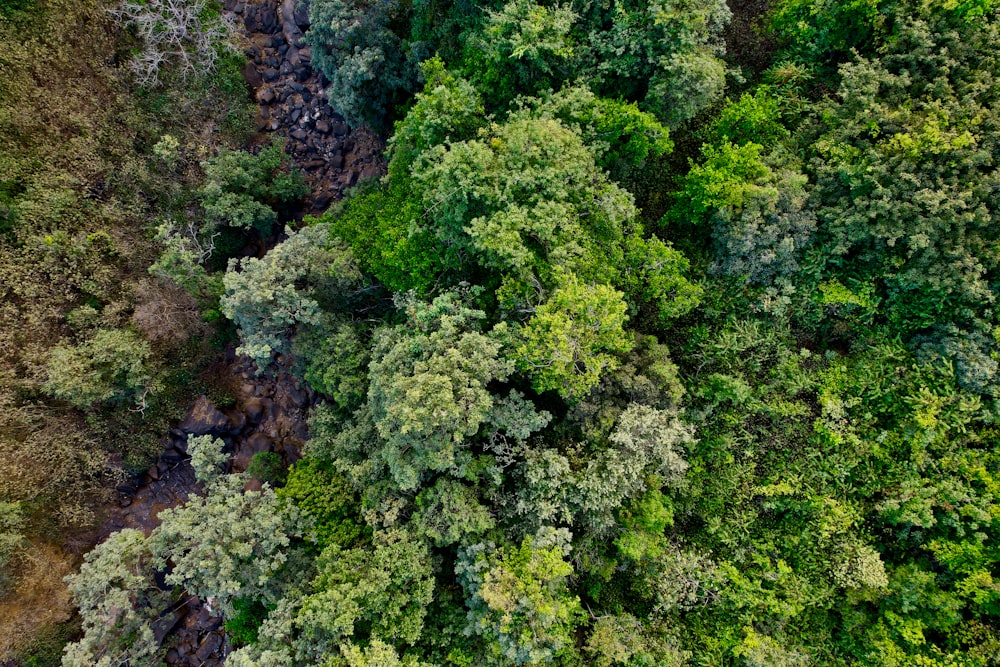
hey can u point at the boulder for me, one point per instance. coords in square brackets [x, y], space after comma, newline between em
[209, 645]
[255, 444]
[207, 621]
[237, 420]
[252, 76]
[204, 418]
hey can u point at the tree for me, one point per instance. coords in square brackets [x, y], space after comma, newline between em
[110, 367]
[908, 202]
[228, 544]
[207, 457]
[620, 133]
[448, 109]
[663, 54]
[573, 338]
[365, 51]
[266, 297]
[653, 274]
[643, 446]
[12, 541]
[376, 594]
[525, 200]
[519, 599]
[118, 601]
[523, 48]
[242, 189]
[757, 205]
[428, 385]
[188, 35]
[449, 512]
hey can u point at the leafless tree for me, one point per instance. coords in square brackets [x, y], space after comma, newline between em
[186, 33]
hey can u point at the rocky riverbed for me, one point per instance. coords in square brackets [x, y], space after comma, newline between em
[269, 412]
[293, 103]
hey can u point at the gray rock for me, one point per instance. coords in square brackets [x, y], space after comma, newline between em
[255, 444]
[237, 420]
[209, 645]
[322, 126]
[165, 624]
[204, 418]
[265, 95]
[207, 621]
[252, 76]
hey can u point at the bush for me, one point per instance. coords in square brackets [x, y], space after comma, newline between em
[242, 189]
[108, 368]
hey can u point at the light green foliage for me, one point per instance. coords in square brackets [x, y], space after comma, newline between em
[644, 521]
[379, 593]
[376, 654]
[12, 541]
[207, 457]
[266, 297]
[447, 109]
[118, 602]
[626, 641]
[861, 568]
[519, 599]
[326, 500]
[228, 544]
[523, 47]
[665, 54]
[759, 650]
[370, 63]
[110, 367]
[389, 587]
[242, 189]
[573, 338]
[619, 132]
[428, 385]
[525, 198]
[727, 176]
[654, 274]
[753, 118]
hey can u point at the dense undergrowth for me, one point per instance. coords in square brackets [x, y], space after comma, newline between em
[641, 353]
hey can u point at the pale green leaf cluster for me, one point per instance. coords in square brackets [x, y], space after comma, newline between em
[267, 297]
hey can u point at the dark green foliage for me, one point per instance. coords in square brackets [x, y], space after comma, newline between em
[370, 62]
[267, 467]
[245, 623]
[12, 8]
[382, 226]
[523, 48]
